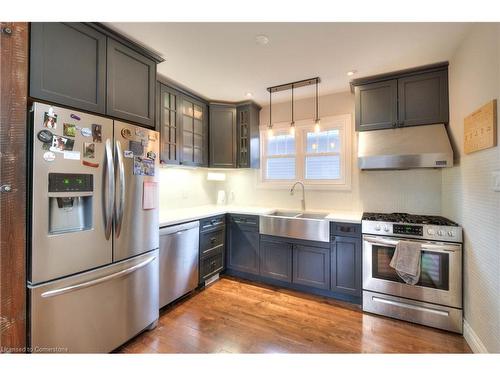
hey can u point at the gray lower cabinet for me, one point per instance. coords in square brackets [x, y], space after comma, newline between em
[243, 248]
[223, 135]
[276, 259]
[131, 80]
[311, 266]
[346, 265]
[212, 246]
[68, 65]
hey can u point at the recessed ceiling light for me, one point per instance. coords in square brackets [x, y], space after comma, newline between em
[351, 73]
[248, 94]
[262, 39]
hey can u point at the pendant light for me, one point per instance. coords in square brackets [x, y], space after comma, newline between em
[292, 123]
[317, 126]
[270, 126]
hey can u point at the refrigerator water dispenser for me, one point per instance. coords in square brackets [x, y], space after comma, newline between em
[70, 202]
[70, 214]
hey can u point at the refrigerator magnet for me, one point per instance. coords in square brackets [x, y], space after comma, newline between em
[45, 136]
[71, 155]
[136, 148]
[62, 144]
[69, 130]
[126, 133]
[152, 137]
[139, 132]
[151, 155]
[49, 156]
[89, 150]
[97, 133]
[90, 164]
[86, 132]
[50, 119]
[128, 154]
[75, 117]
[143, 167]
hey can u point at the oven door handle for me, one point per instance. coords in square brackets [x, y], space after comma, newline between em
[439, 248]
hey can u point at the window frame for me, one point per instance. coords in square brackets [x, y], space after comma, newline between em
[341, 122]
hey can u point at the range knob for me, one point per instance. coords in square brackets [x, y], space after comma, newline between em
[450, 233]
[377, 227]
[440, 233]
[430, 231]
[386, 228]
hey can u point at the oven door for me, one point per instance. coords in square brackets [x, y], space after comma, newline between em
[440, 277]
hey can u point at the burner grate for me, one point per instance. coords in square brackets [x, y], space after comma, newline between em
[399, 217]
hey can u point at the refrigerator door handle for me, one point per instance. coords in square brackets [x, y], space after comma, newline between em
[71, 288]
[120, 202]
[109, 203]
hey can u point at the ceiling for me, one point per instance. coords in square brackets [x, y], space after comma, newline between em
[223, 61]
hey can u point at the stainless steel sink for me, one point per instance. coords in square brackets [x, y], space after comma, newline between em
[301, 225]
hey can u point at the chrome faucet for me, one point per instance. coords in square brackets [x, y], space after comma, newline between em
[303, 201]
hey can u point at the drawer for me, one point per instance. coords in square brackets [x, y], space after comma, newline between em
[211, 239]
[345, 229]
[211, 223]
[249, 222]
[212, 263]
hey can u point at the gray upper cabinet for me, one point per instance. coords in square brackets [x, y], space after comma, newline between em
[168, 123]
[376, 105]
[276, 259]
[248, 136]
[311, 266]
[68, 65]
[417, 96]
[346, 265]
[194, 125]
[423, 99]
[223, 135]
[131, 80]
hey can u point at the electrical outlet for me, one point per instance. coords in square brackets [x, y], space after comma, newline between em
[496, 181]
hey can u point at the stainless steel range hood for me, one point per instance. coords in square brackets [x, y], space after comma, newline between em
[404, 148]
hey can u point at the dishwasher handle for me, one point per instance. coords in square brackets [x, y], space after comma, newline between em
[175, 229]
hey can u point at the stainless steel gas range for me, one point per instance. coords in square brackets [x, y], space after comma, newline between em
[436, 300]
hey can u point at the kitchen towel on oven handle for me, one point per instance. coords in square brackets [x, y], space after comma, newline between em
[406, 261]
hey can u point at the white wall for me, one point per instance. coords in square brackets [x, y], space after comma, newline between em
[183, 187]
[415, 191]
[467, 194]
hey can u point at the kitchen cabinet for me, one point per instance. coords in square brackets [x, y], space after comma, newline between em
[423, 99]
[346, 253]
[89, 67]
[376, 105]
[168, 123]
[68, 65]
[311, 266]
[417, 96]
[194, 132]
[243, 244]
[275, 259]
[248, 136]
[223, 136]
[212, 247]
[131, 80]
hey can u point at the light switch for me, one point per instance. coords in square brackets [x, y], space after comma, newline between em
[496, 181]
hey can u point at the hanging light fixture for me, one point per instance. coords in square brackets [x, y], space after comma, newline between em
[292, 123]
[270, 126]
[317, 126]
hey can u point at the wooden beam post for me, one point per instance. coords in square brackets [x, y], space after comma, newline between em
[13, 132]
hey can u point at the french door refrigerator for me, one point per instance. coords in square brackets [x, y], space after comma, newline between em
[94, 236]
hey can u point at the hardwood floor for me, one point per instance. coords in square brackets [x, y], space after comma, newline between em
[235, 316]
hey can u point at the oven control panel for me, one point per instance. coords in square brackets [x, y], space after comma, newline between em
[414, 230]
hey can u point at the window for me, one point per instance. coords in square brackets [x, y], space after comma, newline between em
[318, 159]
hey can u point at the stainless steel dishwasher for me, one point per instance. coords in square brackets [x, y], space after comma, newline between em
[179, 254]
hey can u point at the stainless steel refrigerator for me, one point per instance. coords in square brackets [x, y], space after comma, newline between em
[94, 236]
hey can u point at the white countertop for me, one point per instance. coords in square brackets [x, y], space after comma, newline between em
[182, 215]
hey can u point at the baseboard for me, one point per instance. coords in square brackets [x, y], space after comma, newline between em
[473, 340]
